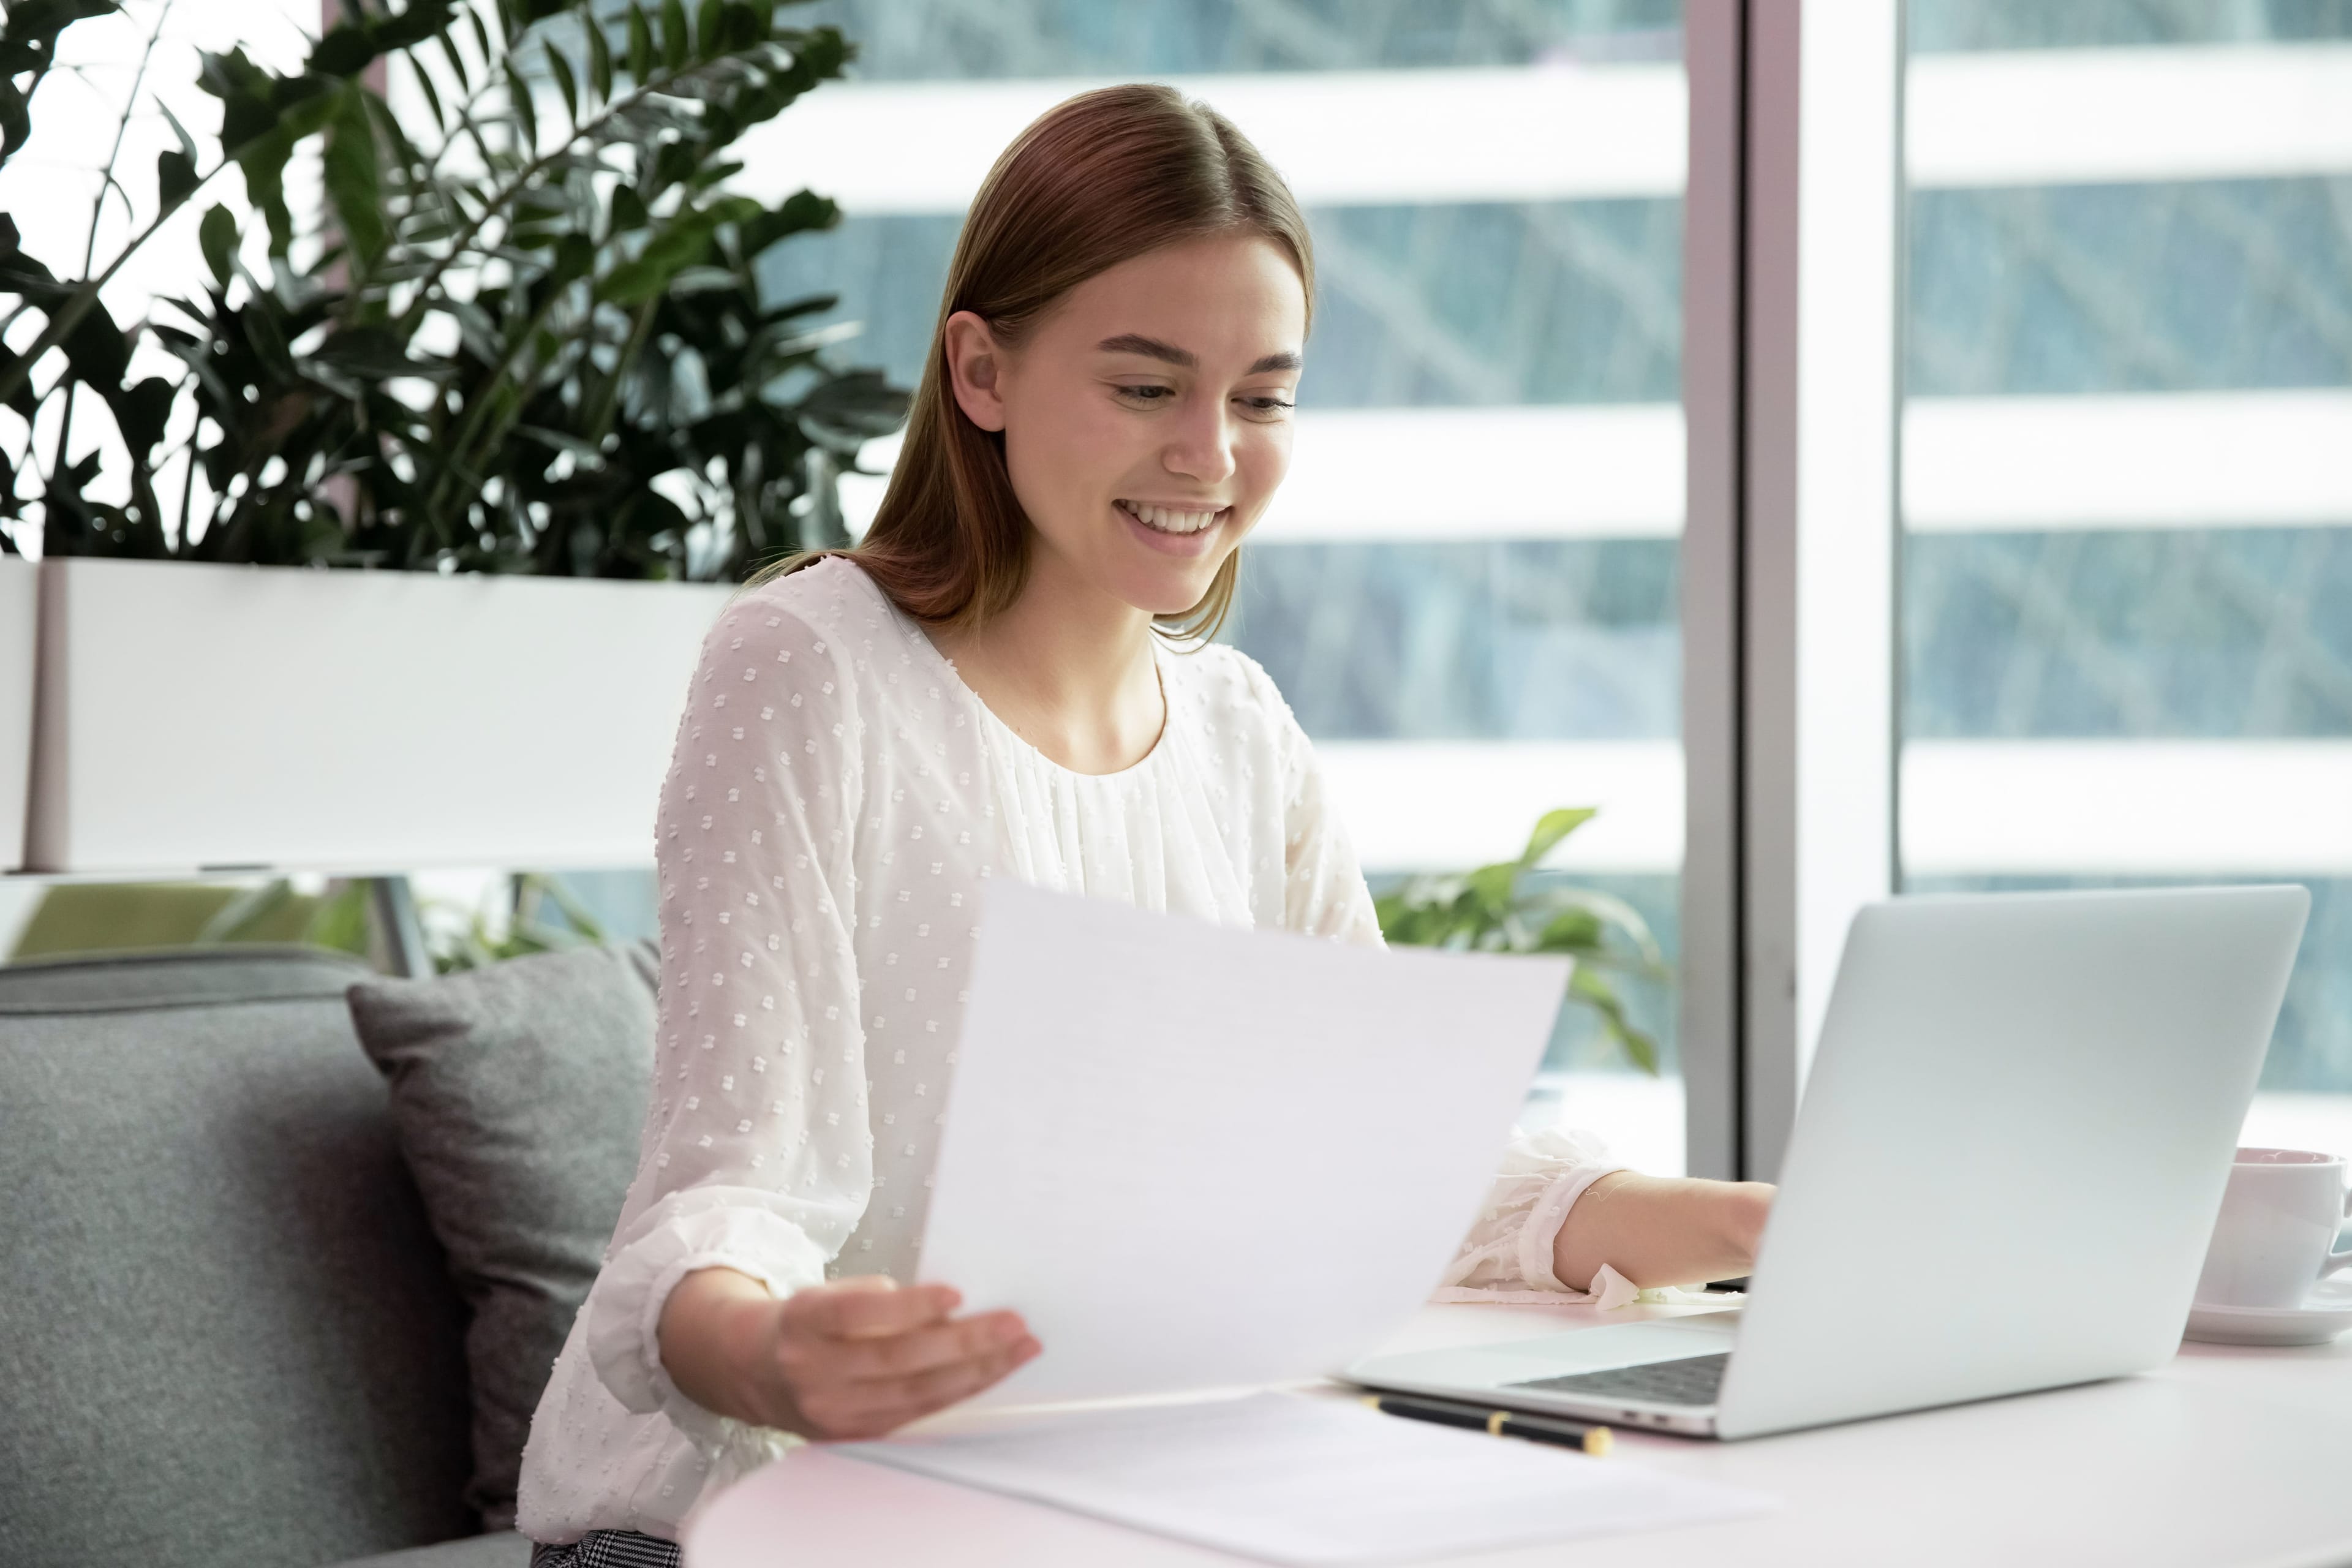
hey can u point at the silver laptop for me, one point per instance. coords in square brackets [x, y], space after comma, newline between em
[2011, 1152]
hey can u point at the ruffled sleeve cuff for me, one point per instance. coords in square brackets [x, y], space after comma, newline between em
[703, 1227]
[1510, 1248]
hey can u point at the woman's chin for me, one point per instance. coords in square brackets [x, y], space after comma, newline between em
[1162, 594]
[1172, 573]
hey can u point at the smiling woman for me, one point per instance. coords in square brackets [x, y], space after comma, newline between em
[1010, 677]
[1126, 219]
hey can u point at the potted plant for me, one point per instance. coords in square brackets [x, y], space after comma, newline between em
[1496, 909]
[526, 344]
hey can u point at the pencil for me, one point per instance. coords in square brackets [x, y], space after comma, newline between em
[1593, 1440]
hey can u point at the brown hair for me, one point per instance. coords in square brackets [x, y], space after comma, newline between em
[1097, 180]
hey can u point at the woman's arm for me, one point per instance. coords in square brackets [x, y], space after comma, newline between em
[1662, 1230]
[757, 1155]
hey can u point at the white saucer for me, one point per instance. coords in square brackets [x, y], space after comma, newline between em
[2324, 1313]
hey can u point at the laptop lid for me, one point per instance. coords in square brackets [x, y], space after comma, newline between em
[2010, 1148]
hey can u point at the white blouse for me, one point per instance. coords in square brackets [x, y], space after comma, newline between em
[835, 798]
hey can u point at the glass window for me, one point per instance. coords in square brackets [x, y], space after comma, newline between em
[1467, 588]
[2126, 581]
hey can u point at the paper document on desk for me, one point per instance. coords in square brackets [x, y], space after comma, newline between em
[1194, 1157]
[1294, 1478]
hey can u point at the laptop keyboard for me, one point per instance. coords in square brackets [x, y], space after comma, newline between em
[1690, 1380]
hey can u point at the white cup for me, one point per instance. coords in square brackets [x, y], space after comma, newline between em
[2279, 1219]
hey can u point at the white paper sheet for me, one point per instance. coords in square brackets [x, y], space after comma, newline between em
[1292, 1479]
[1198, 1157]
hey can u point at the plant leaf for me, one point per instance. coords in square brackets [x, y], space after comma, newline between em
[424, 79]
[562, 441]
[526, 112]
[1595, 992]
[641, 45]
[600, 55]
[187, 143]
[628, 211]
[345, 51]
[802, 210]
[1550, 828]
[141, 412]
[702, 280]
[709, 26]
[1570, 931]
[353, 178]
[482, 37]
[1492, 886]
[216, 235]
[175, 177]
[677, 41]
[410, 26]
[565, 83]
[456, 56]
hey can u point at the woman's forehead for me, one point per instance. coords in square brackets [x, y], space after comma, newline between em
[1193, 303]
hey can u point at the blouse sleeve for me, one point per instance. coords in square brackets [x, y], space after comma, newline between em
[756, 1153]
[1509, 1249]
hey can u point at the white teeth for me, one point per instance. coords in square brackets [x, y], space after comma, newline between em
[1168, 522]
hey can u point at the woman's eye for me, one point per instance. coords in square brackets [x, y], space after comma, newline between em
[1268, 407]
[1145, 393]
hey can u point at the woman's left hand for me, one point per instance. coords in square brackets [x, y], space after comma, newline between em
[1662, 1230]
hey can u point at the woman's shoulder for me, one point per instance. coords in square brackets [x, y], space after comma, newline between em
[830, 595]
[1231, 687]
[830, 611]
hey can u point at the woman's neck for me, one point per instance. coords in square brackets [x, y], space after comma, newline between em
[1068, 668]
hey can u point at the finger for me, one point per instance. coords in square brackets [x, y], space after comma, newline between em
[919, 1395]
[921, 1349]
[857, 1309]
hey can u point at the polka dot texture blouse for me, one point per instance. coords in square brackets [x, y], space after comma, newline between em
[837, 798]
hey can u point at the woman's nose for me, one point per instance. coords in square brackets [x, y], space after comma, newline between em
[1201, 446]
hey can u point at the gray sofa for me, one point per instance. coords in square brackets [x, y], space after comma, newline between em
[227, 1335]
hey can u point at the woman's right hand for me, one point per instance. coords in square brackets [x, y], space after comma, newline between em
[847, 1359]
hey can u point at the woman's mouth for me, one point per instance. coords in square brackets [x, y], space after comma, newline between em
[1171, 520]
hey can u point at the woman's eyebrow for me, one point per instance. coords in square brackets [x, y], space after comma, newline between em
[1152, 348]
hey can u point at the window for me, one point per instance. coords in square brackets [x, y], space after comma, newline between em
[2126, 447]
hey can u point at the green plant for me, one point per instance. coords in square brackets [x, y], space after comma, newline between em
[456, 937]
[473, 944]
[526, 336]
[1491, 910]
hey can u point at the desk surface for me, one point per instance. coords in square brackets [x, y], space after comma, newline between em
[2223, 1455]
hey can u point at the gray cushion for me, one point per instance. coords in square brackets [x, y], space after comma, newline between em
[503, 1550]
[519, 1091]
[229, 1337]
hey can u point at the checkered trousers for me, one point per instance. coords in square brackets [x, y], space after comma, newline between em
[607, 1549]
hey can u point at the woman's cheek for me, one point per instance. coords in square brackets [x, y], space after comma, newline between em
[1268, 463]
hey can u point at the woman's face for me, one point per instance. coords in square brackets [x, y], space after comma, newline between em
[1147, 416]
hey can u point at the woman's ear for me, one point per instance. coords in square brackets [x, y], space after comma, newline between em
[974, 363]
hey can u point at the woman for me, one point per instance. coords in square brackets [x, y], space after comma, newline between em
[990, 684]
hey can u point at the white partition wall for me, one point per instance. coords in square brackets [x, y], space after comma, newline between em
[18, 580]
[232, 718]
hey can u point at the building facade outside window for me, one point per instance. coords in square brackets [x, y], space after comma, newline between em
[2126, 571]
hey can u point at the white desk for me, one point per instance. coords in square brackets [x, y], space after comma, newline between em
[2223, 1457]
